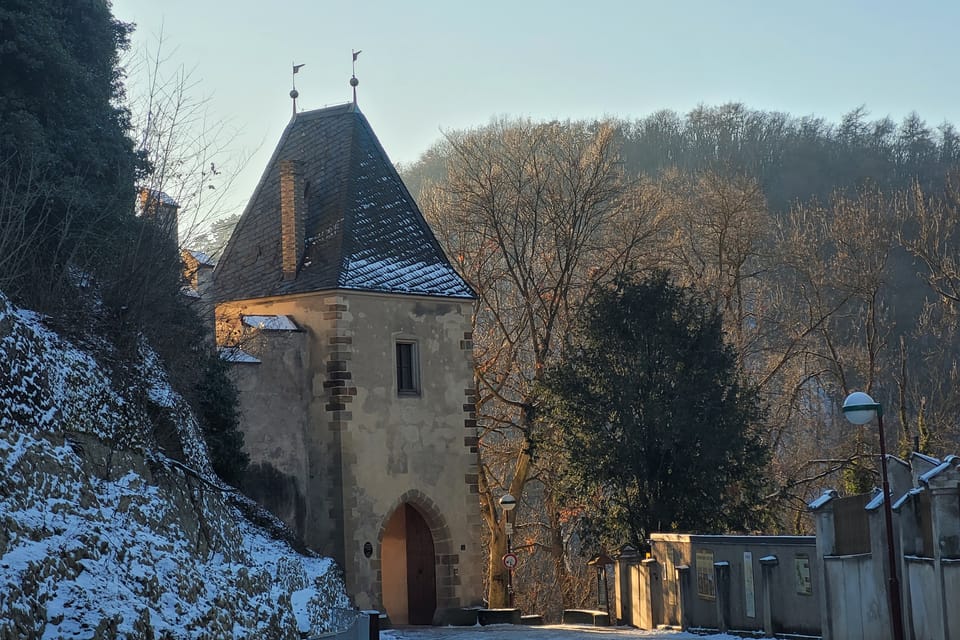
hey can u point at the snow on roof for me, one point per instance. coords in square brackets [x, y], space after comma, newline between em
[949, 462]
[900, 502]
[827, 496]
[270, 323]
[236, 354]
[202, 258]
[161, 197]
[190, 292]
[925, 458]
[875, 501]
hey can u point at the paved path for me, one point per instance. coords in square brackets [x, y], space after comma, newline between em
[549, 632]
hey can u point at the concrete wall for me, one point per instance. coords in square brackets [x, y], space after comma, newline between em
[926, 546]
[729, 591]
[920, 575]
[856, 595]
[326, 412]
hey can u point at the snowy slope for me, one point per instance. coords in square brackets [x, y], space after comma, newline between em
[102, 536]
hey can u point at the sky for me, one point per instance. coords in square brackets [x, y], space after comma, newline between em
[429, 66]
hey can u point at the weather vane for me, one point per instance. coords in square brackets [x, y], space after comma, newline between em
[353, 79]
[293, 79]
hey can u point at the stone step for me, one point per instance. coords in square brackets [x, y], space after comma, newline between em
[592, 617]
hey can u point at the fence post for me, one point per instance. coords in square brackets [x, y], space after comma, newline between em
[767, 566]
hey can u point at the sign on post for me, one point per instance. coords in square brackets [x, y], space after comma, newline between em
[509, 560]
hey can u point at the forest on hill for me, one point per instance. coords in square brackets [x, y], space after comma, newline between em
[829, 249]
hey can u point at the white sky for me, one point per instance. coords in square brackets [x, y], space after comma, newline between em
[433, 65]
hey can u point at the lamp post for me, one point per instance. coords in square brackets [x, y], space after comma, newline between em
[859, 408]
[508, 503]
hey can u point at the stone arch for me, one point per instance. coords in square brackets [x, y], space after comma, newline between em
[444, 562]
[430, 512]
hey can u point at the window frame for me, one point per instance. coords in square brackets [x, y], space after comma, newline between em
[407, 385]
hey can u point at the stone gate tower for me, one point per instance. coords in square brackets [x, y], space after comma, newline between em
[350, 334]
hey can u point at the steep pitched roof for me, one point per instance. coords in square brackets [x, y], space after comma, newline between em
[363, 229]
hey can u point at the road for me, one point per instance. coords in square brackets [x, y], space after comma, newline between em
[549, 632]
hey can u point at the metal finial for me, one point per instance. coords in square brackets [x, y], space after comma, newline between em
[294, 94]
[353, 79]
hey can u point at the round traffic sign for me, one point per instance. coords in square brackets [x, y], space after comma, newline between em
[509, 560]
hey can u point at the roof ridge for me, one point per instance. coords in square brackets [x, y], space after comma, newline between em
[323, 112]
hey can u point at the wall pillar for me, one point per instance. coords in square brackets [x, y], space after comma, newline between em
[822, 509]
[653, 588]
[625, 591]
[942, 483]
[721, 575]
[686, 595]
[768, 565]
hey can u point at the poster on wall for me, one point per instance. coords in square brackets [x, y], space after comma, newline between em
[750, 603]
[802, 564]
[706, 588]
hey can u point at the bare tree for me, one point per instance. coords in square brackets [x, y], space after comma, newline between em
[833, 333]
[535, 216]
[190, 150]
[931, 232]
[716, 234]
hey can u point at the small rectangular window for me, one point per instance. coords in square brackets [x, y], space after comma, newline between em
[408, 375]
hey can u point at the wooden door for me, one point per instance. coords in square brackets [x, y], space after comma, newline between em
[421, 569]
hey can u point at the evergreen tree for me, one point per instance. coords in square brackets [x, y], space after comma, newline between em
[221, 422]
[652, 420]
[67, 166]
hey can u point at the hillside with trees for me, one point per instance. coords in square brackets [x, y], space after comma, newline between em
[829, 251]
[118, 425]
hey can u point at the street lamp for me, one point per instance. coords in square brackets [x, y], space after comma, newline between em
[859, 408]
[508, 503]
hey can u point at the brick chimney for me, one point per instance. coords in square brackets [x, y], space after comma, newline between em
[291, 217]
[162, 210]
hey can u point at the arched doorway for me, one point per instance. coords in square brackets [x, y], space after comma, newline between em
[408, 568]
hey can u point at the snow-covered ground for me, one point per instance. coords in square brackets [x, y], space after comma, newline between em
[549, 632]
[103, 536]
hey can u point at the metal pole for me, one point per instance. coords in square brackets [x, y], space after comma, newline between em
[506, 517]
[896, 613]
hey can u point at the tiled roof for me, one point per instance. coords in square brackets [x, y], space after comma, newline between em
[363, 229]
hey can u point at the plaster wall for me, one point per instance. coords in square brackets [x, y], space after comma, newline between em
[272, 395]
[401, 446]
[288, 388]
[327, 411]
